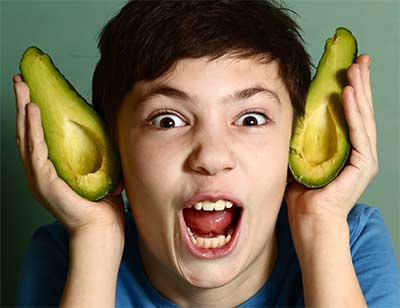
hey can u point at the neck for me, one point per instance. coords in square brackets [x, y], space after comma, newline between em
[232, 294]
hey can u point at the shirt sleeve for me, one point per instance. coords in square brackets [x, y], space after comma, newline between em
[374, 258]
[44, 268]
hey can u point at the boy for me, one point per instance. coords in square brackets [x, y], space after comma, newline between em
[200, 98]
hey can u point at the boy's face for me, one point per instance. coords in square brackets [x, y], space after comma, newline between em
[206, 145]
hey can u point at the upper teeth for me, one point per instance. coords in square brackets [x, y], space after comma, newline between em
[211, 206]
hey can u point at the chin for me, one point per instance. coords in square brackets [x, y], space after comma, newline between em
[207, 278]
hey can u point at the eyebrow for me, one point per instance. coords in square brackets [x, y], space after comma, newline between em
[239, 95]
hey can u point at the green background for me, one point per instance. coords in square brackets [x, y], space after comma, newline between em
[68, 31]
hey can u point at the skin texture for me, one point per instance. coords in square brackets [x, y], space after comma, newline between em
[209, 152]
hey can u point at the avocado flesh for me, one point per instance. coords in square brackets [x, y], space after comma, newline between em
[78, 143]
[320, 144]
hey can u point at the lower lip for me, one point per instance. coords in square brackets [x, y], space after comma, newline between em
[210, 253]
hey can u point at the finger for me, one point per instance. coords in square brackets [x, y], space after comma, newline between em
[365, 61]
[294, 191]
[358, 135]
[355, 80]
[17, 78]
[38, 151]
[348, 185]
[22, 99]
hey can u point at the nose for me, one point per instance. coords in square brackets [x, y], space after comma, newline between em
[212, 155]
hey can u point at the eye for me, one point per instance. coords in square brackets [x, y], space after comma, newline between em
[166, 120]
[253, 118]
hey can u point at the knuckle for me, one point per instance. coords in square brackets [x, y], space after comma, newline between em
[30, 146]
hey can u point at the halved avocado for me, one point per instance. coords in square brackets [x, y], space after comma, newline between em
[78, 143]
[320, 144]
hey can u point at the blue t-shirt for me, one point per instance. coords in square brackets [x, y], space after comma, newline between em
[44, 268]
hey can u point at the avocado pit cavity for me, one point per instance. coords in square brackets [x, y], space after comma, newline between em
[82, 153]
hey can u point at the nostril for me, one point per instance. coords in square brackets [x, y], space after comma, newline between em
[212, 160]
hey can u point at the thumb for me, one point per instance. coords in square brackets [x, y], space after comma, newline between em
[294, 191]
[115, 197]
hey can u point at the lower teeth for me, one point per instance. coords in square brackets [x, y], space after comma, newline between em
[211, 242]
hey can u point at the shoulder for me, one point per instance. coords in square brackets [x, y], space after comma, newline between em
[367, 226]
[362, 215]
[44, 267]
[53, 233]
[373, 256]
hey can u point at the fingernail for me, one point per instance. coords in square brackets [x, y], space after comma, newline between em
[16, 78]
[31, 105]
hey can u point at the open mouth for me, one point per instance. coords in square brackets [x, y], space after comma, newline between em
[212, 228]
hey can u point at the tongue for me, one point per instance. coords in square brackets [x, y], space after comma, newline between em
[204, 222]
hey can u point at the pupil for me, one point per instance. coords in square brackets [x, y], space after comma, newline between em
[251, 121]
[167, 123]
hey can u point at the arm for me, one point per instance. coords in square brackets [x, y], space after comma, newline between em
[328, 273]
[317, 217]
[96, 229]
[95, 256]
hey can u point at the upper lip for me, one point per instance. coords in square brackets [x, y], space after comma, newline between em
[213, 197]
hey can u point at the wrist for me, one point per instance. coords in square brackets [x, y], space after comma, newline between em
[99, 242]
[314, 235]
[323, 248]
[94, 260]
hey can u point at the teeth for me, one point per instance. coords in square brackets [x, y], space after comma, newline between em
[198, 206]
[220, 205]
[228, 204]
[209, 242]
[208, 206]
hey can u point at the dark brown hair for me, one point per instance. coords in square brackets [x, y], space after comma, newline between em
[146, 38]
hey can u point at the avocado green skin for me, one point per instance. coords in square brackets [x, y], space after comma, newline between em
[298, 174]
[40, 73]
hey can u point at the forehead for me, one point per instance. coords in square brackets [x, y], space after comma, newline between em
[218, 75]
[225, 79]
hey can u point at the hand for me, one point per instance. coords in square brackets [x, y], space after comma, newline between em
[76, 213]
[318, 217]
[336, 199]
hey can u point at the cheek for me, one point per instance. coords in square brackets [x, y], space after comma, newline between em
[269, 157]
[267, 169]
[270, 171]
[269, 174]
[153, 164]
[152, 175]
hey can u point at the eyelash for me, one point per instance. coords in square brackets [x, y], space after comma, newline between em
[166, 111]
[267, 119]
[162, 112]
